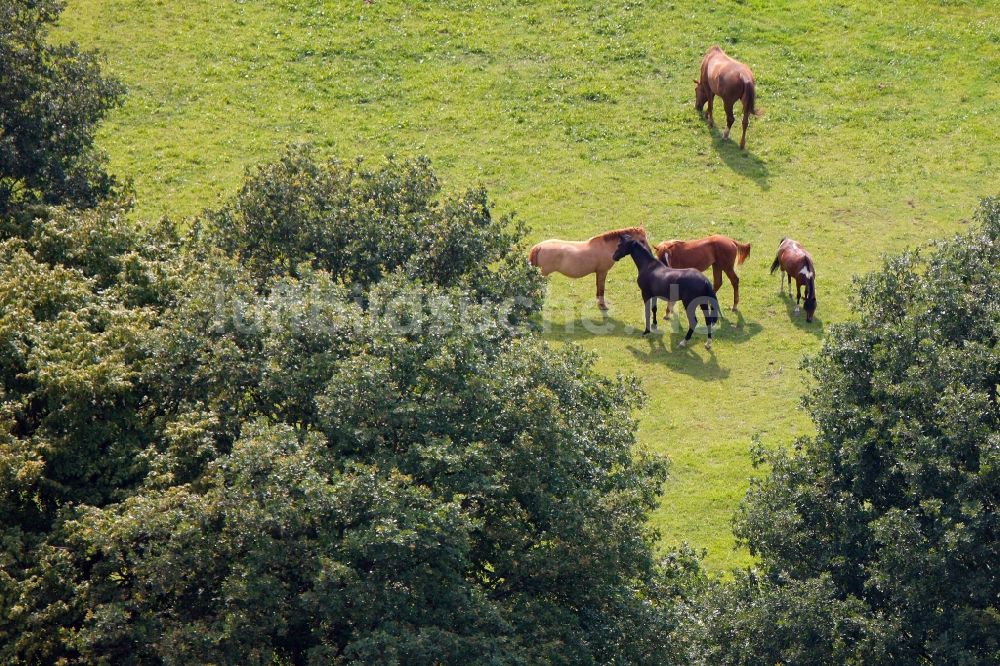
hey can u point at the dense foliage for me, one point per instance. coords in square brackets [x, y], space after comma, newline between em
[239, 447]
[51, 99]
[879, 538]
[360, 225]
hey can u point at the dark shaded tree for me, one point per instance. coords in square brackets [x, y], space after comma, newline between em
[213, 456]
[52, 98]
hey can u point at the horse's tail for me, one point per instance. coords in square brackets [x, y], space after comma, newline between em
[749, 95]
[533, 255]
[776, 262]
[742, 252]
[711, 313]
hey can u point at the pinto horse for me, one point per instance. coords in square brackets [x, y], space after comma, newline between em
[686, 285]
[731, 80]
[793, 259]
[722, 253]
[577, 259]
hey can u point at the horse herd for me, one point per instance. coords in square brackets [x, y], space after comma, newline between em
[675, 272]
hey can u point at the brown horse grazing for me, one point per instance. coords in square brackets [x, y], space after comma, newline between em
[576, 259]
[729, 79]
[722, 253]
[793, 259]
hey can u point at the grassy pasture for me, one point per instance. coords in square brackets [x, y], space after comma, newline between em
[879, 132]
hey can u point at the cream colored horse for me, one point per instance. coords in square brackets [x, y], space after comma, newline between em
[576, 259]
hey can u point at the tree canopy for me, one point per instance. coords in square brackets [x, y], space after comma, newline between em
[52, 98]
[221, 449]
[878, 537]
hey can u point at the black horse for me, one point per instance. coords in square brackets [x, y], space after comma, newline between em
[686, 285]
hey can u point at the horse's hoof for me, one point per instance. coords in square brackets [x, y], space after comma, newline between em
[796, 309]
[682, 343]
[602, 306]
[646, 332]
[708, 345]
[734, 309]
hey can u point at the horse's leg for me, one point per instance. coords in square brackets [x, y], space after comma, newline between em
[730, 118]
[716, 277]
[798, 295]
[654, 313]
[601, 277]
[734, 280]
[746, 121]
[708, 323]
[692, 322]
[711, 99]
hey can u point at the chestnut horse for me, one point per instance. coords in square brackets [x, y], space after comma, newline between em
[793, 259]
[729, 79]
[576, 259]
[722, 253]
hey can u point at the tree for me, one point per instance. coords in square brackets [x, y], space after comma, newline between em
[888, 516]
[52, 98]
[216, 452]
[360, 224]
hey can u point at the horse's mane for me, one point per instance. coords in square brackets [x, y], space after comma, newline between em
[617, 233]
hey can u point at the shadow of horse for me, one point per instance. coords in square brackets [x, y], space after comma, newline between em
[685, 360]
[726, 331]
[742, 162]
[586, 329]
[799, 318]
[733, 327]
[738, 331]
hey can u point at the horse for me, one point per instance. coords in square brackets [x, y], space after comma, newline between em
[722, 253]
[687, 285]
[731, 80]
[577, 259]
[793, 259]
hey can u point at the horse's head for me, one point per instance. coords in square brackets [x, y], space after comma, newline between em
[810, 304]
[663, 251]
[700, 95]
[625, 245]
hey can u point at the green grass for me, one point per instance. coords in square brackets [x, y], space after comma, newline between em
[879, 132]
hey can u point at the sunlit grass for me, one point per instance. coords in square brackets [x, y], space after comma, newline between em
[879, 132]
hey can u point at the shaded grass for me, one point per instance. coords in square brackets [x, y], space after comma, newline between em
[878, 132]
